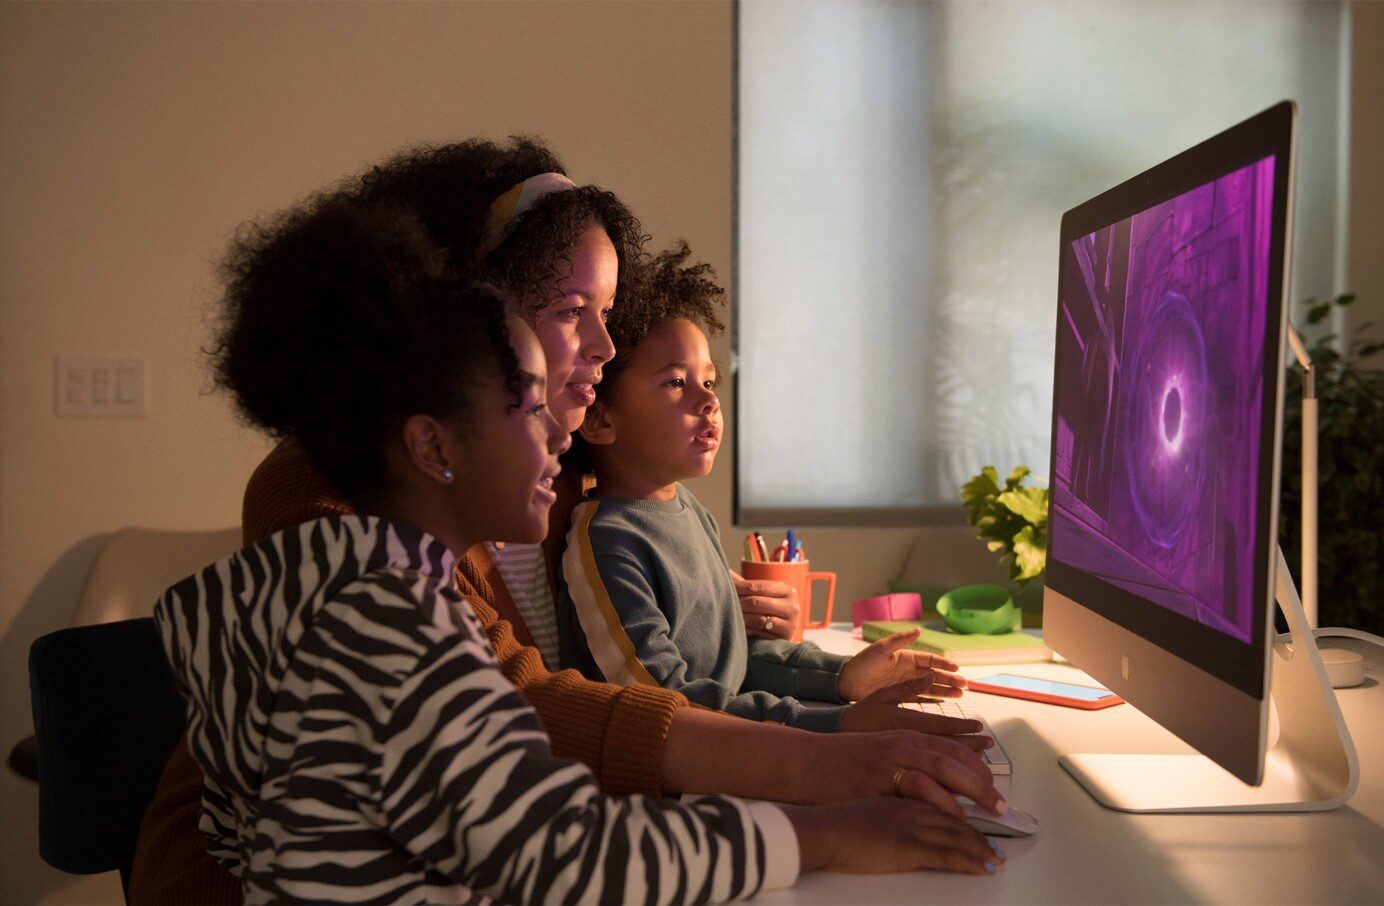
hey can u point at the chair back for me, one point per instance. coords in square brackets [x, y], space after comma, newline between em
[106, 717]
[136, 565]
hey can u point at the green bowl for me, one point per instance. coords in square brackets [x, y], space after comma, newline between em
[979, 610]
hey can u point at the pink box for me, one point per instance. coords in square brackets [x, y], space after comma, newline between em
[902, 606]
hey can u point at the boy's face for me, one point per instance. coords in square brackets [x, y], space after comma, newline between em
[664, 417]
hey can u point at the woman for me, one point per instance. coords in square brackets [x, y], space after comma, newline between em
[509, 215]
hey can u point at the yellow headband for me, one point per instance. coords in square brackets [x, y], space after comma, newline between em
[515, 200]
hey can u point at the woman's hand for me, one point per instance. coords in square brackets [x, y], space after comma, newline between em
[888, 662]
[887, 835]
[770, 608]
[932, 769]
[712, 752]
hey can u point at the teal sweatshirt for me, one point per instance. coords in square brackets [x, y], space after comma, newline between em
[647, 597]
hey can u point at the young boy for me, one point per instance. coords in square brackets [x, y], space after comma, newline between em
[648, 593]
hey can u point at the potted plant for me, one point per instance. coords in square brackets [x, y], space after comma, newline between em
[1012, 519]
[1350, 475]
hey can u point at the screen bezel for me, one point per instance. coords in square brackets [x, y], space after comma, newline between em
[1241, 664]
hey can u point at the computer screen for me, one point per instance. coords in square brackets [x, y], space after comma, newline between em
[1162, 562]
[1166, 428]
[1159, 401]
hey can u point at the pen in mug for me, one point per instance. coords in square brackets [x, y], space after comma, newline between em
[763, 550]
[781, 553]
[792, 542]
[751, 551]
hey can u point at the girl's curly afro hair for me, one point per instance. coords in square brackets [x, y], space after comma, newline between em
[341, 319]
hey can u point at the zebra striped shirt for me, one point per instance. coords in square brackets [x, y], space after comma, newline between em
[360, 744]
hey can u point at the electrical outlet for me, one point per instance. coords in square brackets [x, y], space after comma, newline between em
[95, 387]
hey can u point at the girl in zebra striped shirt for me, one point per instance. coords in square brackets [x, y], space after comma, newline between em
[358, 741]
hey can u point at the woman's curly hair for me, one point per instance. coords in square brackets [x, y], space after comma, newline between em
[663, 287]
[341, 319]
[452, 186]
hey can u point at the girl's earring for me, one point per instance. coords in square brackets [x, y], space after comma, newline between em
[447, 475]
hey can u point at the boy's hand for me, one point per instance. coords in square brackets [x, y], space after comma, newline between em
[887, 662]
[770, 608]
[880, 711]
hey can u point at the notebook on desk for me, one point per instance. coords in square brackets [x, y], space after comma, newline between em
[1004, 648]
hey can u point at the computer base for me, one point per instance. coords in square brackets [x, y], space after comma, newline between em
[1312, 767]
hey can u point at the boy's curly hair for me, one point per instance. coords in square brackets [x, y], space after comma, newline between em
[452, 186]
[341, 319]
[663, 286]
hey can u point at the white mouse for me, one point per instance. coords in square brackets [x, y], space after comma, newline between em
[1013, 823]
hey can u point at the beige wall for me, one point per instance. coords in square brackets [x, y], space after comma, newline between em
[1366, 231]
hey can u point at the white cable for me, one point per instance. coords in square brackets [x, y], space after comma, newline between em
[1339, 632]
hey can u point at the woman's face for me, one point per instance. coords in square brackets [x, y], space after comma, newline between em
[571, 328]
[507, 456]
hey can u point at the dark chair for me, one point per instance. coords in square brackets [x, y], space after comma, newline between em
[106, 718]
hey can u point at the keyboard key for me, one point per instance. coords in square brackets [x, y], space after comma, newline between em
[996, 759]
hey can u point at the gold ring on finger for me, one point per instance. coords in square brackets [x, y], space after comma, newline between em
[898, 776]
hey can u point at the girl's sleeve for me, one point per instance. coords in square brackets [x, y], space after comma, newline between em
[629, 639]
[468, 784]
[218, 826]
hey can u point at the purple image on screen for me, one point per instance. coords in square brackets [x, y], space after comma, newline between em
[1160, 352]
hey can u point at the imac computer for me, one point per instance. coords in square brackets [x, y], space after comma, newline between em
[1163, 566]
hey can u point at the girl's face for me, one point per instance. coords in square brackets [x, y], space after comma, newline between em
[506, 458]
[572, 327]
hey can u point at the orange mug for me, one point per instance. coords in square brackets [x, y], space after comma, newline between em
[798, 574]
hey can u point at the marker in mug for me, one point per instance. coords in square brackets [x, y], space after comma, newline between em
[792, 543]
[781, 553]
[763, 550]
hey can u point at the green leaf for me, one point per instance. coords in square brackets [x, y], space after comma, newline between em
[1318, 313]
[1369, 349]
[1345, 299]
[1026, 503]
[1016, 477]
[981, 489]
[1030, 555]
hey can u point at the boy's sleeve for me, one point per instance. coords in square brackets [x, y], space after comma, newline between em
[628, 637]
[468, 785]
[802, 670]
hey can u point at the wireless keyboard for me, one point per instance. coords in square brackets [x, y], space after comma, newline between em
[996, 759]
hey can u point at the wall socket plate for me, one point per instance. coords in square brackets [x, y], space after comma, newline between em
[98, 387]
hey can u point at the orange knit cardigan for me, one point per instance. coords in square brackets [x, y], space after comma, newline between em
[620, 732]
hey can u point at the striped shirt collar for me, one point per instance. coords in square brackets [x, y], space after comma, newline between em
[406, 547]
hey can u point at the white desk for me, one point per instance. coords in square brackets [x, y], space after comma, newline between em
[1084, 853]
